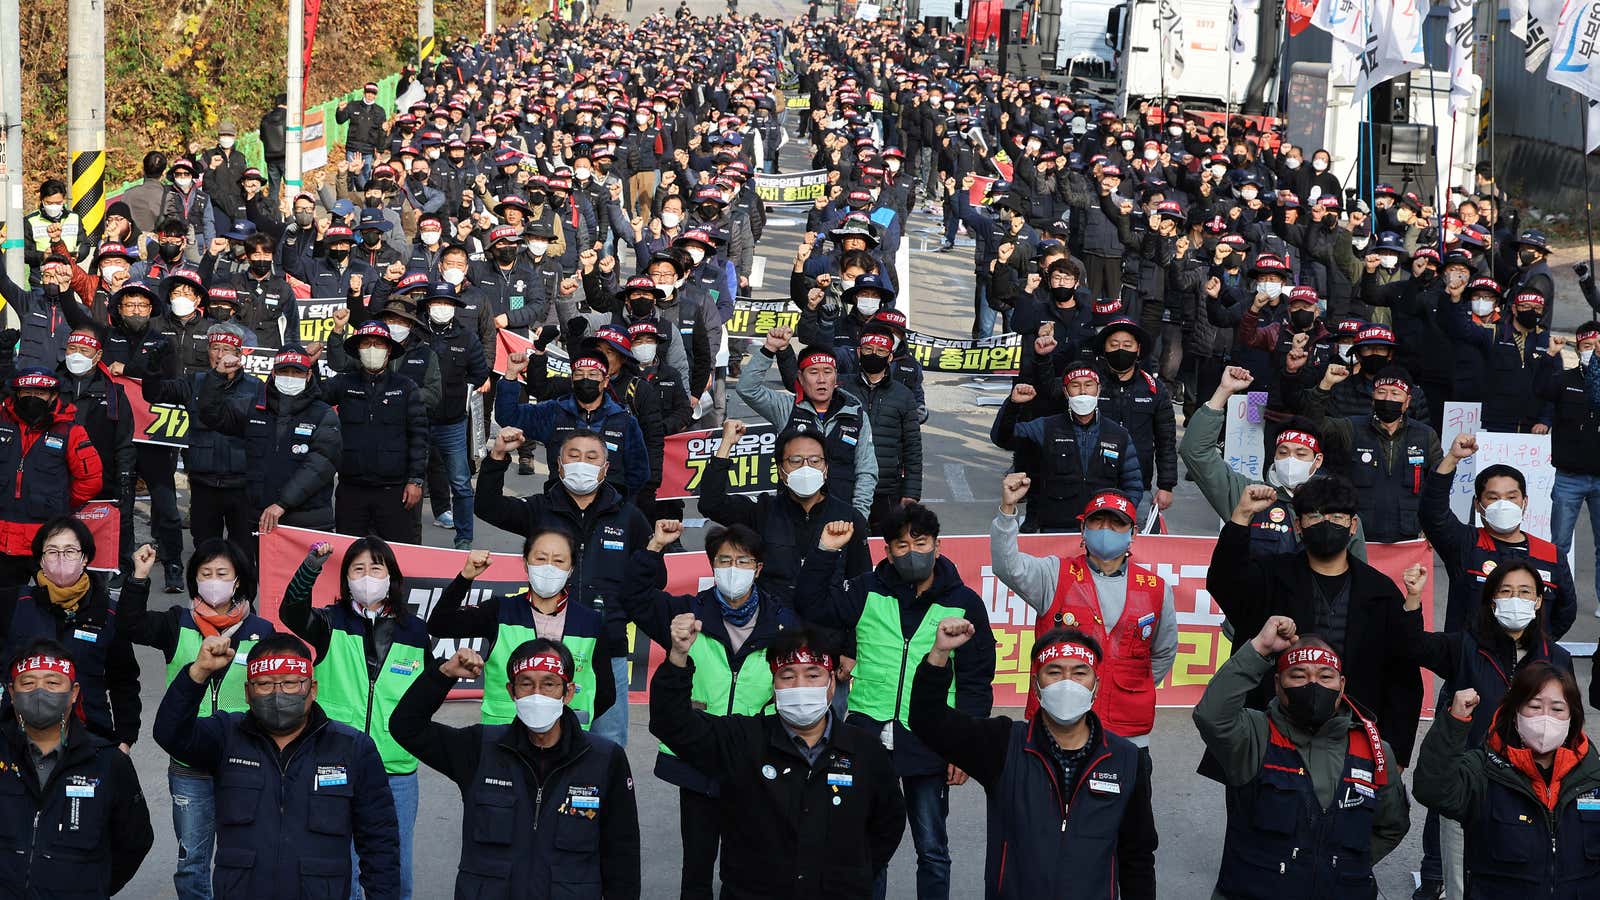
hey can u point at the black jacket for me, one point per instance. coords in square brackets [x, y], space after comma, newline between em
[1379, 665]
[462, 367]
[273, 126]
[93, 842]
[1576, 430]
[896, 433]
[292, 448]
[555, 850]
[795, 830]
[383, 426]
[366, 126]
[1028, 807]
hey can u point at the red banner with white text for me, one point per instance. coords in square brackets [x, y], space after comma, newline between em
[1180, 560]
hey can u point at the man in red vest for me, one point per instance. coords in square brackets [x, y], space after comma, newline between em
[1100, 592]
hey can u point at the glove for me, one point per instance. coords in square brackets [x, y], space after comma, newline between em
[547, 334]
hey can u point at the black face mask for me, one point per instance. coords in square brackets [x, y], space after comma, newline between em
[641, 308]
[1325, 539]
[1426, 276]
[169, 252]
[1527, 257]
[338, 256]
[1059, 295]
[220, 313]
[371, 238]
[1121, 360]
[505, 256]
[536, 199]
[587, 390]
[710, 212]
[1302, 319]
[1371, 363]
[33, 410]
[372, 201]
[1529, 318]
[1387, 411]
[1233, 260]
[872, 364]
[1309, 705]
[136, 323]
[260, 267]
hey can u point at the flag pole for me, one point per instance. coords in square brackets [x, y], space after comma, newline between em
[1588, 191]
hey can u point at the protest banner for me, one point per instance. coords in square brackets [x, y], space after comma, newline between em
[997, 355]
[1242, 434]
[794, 188]
[166, 424]
[754, 458]
[754, 318]
[1530, 455]
[1181, 561]
[508, 342]
[104, 519]
[316, 318]
[1461, 418]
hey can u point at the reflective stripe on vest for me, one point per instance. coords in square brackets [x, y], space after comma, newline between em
[1126, 701]
[349, 694]
[881, 681]
[716, 687]
[499, 708]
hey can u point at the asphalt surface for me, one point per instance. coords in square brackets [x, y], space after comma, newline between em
[961, 481]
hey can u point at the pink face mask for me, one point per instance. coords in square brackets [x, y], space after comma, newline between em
[62, 573]
[1542, 734]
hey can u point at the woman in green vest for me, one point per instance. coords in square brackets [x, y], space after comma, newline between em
[536, 608]
[222, 589]
[369, 648]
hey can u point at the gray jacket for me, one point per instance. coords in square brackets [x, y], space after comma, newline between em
[776, 407]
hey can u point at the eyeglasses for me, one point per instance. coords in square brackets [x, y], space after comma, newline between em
[812, 461]
[1312, 518]
[64, 554]
[1526, 593]
[292, 686]
[741, 562]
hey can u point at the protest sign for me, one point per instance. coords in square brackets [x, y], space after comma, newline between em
[508, 342]
[1461, 418]
[1530, 455]
[166, 424]
[316, 318]
[1181, 561]
[998, 355]
[104, 519]
[754, 318]
[754, 458]
[1242, 435]
[792, 188]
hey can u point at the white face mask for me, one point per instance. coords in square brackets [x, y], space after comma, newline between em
[1248, 194]
[667, 290]
[1291, 472]
[805, 481]
[78, 364]
[290, 385]
[1503, 516]
[429, 237]
[110, 273]
[226, 141]
[54, 210]
[1292, 163]
[547, 580]
[374, 358]
[892, 165]
[1083, 404]
[1218, 171]
[1066, 701]
[1269, 289]
[1388, 262]
[1321, 165]
[369, 590]
[441, 313]
[538, 248]
[1151, 154]
[697, 254]
[1127, 146]
[1344, 350]
[671, 219]
[733, 581]
[801, 707]
[400, 332]
[1542, 734]
[1514, 613]
[1483, 308]
[183, 184]
[538, 712]
[580, 478]
[181, 306]
[645, 352]
[1584, 356]
[868, 305]
[1175, 130]
[583, 173]
[453, 277]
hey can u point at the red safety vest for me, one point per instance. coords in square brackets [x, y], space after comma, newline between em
[1126, 702]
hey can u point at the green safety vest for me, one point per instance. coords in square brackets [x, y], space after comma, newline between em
[499, 708]
[886, 661]
[349, 693]
[723, 693]
[227, 693]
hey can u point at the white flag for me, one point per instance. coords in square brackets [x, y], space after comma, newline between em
[1461, 33]
[1344, 20]
[1591, 128]
[1243, 11]
[1575, 49]
[1539, 22]
[1517, 12]
[1393, 44]
[1171, 38]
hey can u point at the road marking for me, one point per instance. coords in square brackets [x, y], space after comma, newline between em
[955, 475]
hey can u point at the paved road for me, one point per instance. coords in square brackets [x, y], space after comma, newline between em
[962, 476]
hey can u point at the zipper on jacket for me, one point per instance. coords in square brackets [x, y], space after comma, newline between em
[372, 690]
[899, 689]
[538, 794]
[33, 847]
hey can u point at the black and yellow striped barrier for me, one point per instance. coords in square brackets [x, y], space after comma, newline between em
[425, 48]
[88, 171]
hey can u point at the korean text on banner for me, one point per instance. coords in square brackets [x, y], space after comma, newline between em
[1529, 454]
[1461, 418]
[754, 458]
[155, 423]
[1243, 435]
[792, 188]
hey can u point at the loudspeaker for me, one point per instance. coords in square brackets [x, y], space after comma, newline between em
[1391, 102]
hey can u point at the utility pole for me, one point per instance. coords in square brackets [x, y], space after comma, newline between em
[292, 179]
[86, 112]
[425, 43]
[11, 171]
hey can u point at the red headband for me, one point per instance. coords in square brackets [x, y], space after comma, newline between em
[589, 363]
[1293, 436]
[279, 665]
[544, 662]
[1066, 650]
[880, 341]
[1587, 335]
[1309, 656]
[819, 358]
[800, 656]
[84, 338]
[223, 337]
[1394, 383]
[45, 664]
[1081, 372]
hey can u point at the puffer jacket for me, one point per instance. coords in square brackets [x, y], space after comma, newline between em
[896, 432]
